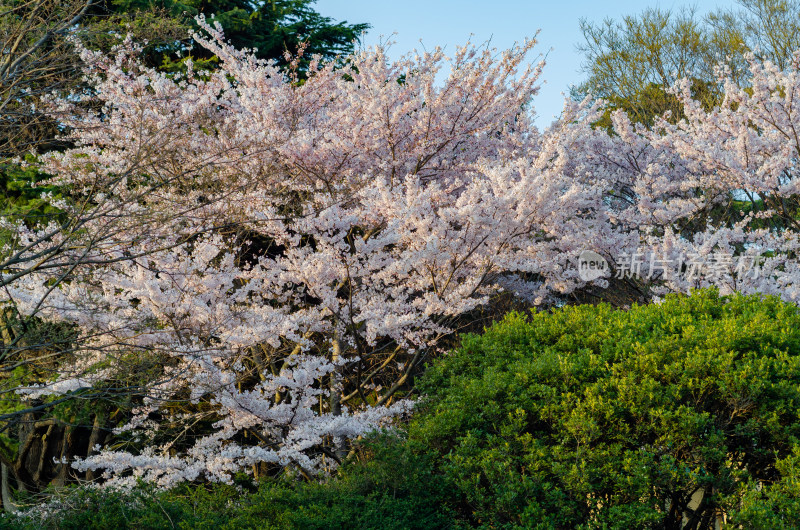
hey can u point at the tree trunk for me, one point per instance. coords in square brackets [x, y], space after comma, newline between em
[5, 490]
[96, 438]
[339, 448]
[67, 452]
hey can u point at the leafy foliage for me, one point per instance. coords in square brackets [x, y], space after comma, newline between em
[601, 418]
[22, 195]
[370, 494]
[271, 28]
[632, 62]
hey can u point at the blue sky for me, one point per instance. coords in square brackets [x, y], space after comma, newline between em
[450, 23]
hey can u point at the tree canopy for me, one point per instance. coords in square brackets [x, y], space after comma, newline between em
[632, 62]
[271, 27]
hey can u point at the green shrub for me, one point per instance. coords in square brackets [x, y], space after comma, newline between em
[590, 417]
[393, 489]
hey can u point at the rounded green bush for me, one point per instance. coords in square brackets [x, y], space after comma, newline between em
[682, 414]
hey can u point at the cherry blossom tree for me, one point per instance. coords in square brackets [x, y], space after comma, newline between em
[713, 198]
[265, 262]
